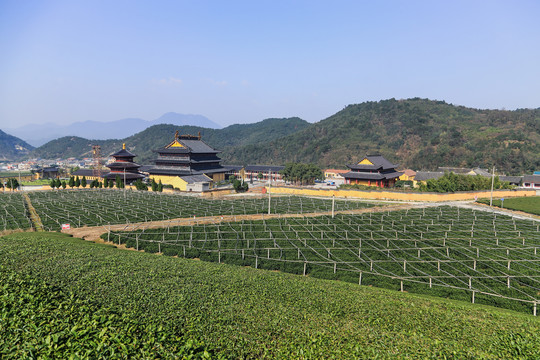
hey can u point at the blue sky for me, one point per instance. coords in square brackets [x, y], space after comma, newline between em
[244, 61]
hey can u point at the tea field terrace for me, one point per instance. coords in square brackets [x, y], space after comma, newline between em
[102, 207]
[451, 252]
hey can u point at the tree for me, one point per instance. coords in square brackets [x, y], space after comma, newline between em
[118, 182]
[71, 182]
[160, 186]
[12, 184]
[299, 173]
[260, 176]
[64, 184]
[52, 184]
[92, 184]
[240, 186]
[83, 182]
[58, 183]
[111, 184]
[77, 182]
[154, 185]
[105, 183]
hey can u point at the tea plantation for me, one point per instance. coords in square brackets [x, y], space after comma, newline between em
[62, 297]
[455, 253]
[101, 207]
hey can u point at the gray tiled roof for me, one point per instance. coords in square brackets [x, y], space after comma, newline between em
[191, 179]
[426, 175]
[264, 168]
[531, 179]
[511, 179]
[197, 146]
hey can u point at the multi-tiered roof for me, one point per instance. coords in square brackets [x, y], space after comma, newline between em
[187, 155]
[124, 166]
[373, 169]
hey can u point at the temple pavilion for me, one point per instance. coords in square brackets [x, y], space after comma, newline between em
[124, 167]
[373, 170]
[185, 161]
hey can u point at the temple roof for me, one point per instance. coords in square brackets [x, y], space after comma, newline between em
[372, 176]
[123, 153]
[373, 162]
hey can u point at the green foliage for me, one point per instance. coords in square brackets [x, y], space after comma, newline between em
[160, 186]
[300, 173]
[64, 185]
[152, 138]
[260, 176]
[12, 184]
[154, 185]
[451, 182]
[45, 322]
[77, 182]
[66, 297]
[52, 184]
[106, 182]
[526, 204]
[83, 182]
[240, 186]
[71, 182]
[12, 147]
[139, 185]
[416, 133]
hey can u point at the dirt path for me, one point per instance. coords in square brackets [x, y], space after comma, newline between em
[93, 233]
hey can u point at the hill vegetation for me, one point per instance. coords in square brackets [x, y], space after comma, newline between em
[415, 133]
[12, 147]
[160, 135]
[57, 290]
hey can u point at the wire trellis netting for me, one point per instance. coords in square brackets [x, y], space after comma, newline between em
[446, 251]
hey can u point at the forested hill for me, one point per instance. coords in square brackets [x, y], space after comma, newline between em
[416, 133]
[157, 136]
[12, 148]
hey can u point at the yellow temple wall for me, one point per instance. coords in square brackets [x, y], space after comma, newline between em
[175, 181]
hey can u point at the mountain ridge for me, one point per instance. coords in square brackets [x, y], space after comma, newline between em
[11, 147]
[40, 134]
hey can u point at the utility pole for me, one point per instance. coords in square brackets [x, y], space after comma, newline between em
[269, 186]
[492, 182]
[124, 183]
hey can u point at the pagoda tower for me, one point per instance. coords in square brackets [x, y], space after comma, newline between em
[124, 167]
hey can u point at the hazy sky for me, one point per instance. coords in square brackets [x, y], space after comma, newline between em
[244, 61]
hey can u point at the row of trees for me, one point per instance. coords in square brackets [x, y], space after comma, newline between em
[10, 184]
[301, 174]
[451, 182]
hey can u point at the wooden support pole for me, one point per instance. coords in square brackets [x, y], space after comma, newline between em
[360, 279]
[335, 267]
[430, 283]
[305, 266]
[473, 296]
[401, 285]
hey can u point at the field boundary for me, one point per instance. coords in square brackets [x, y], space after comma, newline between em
[402, 196]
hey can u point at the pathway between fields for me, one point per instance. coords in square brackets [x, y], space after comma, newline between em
[93, 233]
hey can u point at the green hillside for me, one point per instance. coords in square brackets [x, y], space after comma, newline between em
[160, 135]
[12, 147]
[415, 133]
[64, 296]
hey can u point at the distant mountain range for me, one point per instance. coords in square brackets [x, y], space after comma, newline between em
[416, 133]
[39, 134]
[12, 147]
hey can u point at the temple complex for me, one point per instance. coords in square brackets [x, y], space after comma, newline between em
[124, 167]
[185, 161]
[373, 170]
